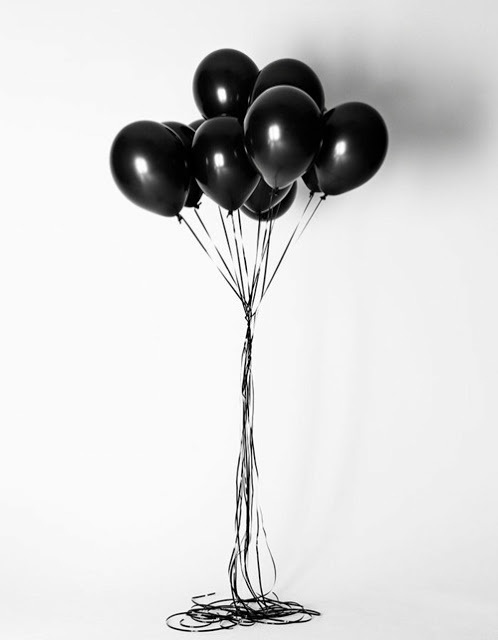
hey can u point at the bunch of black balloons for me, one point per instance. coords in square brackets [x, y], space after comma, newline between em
[261, 131]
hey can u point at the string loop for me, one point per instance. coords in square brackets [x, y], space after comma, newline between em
[250, 601]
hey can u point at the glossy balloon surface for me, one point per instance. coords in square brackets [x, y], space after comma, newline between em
[183, 131]
[282, 134]
[264, 196]
[149, 165]
[186, 135]
[277, 210]
[354, 146]
[310, 180]
[290, 72]
[196, 124]
[220, 163]
[223, 83]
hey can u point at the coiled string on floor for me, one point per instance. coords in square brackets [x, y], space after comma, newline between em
[249, 602]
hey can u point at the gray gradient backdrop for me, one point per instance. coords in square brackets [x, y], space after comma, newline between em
[375, 357]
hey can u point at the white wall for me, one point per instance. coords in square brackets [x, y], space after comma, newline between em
[376, 353]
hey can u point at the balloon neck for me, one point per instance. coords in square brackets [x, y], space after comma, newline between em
[179, 218]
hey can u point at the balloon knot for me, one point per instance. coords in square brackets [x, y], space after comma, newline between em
[179, 218]
[323, 197]
[248, 312]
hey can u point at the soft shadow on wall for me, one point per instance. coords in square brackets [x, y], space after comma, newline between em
[428, 110]
[431, 112]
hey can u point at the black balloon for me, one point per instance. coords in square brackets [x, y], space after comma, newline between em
[186, 135]
[223, 83]
[264, 196]
[282, 134]
[183, 131]
[354, 146]
[149, 165]
[290, 72]
[276, 210]
[310, 180]
[196, 124]
[220, 163]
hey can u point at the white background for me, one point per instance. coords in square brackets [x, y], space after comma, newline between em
[376, 350]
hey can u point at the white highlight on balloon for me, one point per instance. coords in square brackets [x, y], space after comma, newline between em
[274, 132]
[141, 166]
[340, 148]
[219, 160]
[222, 95]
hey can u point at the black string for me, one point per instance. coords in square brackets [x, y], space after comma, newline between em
[207, 613]
[257, 265]
[292, 237]
[211, 258]
[273, 216]
[255, 259]
[239, 219]
[269, 229]
[214, 245]
[258, 605]
[322, 198]
[239, 283]
[231, 215]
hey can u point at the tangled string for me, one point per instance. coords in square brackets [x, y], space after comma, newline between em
[249, 603]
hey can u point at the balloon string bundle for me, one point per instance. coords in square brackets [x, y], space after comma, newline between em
[250, 602]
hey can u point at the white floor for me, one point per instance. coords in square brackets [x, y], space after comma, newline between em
[387, 616]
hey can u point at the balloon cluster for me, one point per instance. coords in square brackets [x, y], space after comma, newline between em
[261, 131]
